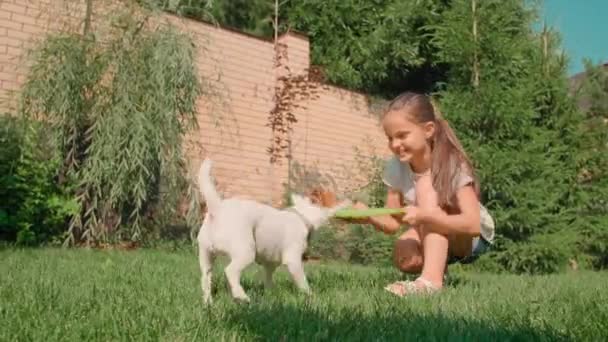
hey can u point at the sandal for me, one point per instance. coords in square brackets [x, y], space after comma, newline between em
[418, 286]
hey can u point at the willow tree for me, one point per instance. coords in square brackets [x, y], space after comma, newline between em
[118, 101]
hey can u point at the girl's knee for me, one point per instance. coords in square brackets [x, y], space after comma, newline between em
[407, 256]
[411, 264]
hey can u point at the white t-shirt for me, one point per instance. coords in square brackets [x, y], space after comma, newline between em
[399, 176]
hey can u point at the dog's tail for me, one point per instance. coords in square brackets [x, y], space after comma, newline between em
[207, 188]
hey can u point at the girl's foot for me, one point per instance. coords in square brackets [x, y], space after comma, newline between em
[418, 286]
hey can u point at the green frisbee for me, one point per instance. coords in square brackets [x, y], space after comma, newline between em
[364, 213]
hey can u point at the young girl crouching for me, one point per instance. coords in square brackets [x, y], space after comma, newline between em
[432, 177]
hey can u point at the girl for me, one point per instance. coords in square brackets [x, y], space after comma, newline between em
[431, 175]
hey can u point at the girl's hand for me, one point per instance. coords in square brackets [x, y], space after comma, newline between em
[416, 215]
[413, 215]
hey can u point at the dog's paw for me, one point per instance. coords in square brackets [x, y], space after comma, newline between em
[207, 300]
[242, 299]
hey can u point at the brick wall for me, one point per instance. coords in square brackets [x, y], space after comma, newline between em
[233, 129]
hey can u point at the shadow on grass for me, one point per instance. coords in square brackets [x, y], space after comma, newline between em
[288, 322]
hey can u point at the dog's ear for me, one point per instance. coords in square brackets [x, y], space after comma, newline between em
[330, 199]
[315, 196]
[323, 198]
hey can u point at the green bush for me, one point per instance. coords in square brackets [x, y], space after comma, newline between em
[594, 243]
[327, 244]
[531, 258]
[367, 246]
[34, 208]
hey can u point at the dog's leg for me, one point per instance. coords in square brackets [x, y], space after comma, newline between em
[296, 269]
[206, 264]
[233, 274]
[268, 271]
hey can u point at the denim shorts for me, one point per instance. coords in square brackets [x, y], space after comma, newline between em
[480, 246]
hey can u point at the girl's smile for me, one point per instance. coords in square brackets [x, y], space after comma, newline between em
[408, 140]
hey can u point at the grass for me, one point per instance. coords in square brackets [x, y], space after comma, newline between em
[78, 295]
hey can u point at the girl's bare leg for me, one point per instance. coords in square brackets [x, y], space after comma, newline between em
[434, 245]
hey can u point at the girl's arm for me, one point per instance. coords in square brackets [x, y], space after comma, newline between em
[467, 222]
[387, 223]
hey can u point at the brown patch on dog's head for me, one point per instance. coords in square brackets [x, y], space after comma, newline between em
[323, 197]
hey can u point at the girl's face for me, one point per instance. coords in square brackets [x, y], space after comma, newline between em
[408, 140]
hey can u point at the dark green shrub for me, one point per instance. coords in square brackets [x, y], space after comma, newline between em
[531, 258]
[34, 208]
[367, 246]
[326, 243]
[594, 243]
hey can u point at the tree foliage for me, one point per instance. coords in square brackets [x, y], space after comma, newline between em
[354, 41]
[592, 159]
[251, 16]
[369, 45]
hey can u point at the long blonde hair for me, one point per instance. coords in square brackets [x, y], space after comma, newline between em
[448, 158]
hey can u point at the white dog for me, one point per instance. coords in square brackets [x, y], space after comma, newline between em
[249, 231]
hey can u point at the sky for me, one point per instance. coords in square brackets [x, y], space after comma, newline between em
[583, 25]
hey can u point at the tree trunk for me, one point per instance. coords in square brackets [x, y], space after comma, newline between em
[475, 43]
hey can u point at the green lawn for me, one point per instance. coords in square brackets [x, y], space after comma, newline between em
[78, 295]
